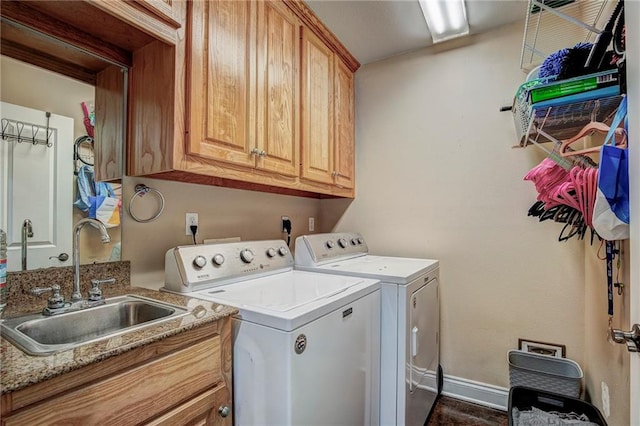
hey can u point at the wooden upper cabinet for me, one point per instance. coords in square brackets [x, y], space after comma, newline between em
[109, 128]
[265, 94]
[278, 91]
[244, 95]
[317, 109]
[344, 163]
[222, 64]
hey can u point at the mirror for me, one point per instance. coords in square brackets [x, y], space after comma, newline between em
[39, 190]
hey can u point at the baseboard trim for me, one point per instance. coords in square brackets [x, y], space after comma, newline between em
[476, 392]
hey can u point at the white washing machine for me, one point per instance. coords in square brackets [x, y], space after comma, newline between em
[306, 346]
[411, 376]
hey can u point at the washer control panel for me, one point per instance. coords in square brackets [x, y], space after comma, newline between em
[315, 249]
[196, 267]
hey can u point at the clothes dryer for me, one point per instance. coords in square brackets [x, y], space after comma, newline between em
[411, 377]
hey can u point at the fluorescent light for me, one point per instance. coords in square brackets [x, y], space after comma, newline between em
[446, 19]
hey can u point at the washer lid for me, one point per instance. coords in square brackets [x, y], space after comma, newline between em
[290, 299]
[399, 270]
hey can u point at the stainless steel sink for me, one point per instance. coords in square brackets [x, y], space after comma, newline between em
[41, 335]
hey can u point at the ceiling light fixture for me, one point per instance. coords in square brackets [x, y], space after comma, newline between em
[446, 19]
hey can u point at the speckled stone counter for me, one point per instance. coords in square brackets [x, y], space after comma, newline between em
[19, 370]
[19, 284]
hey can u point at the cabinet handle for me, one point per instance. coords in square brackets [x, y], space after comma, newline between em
[263, 153]
[224, 411]
[254, 151]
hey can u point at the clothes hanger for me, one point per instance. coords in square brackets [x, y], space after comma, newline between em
[590, 128]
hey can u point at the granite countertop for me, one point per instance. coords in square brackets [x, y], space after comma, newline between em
[19, 370]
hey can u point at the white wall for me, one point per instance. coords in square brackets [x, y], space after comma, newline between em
[436, 177]
[222, 212]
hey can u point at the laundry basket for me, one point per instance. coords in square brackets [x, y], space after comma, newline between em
[544, 372]
[523, 399]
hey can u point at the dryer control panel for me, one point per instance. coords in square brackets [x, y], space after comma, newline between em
[197, 267]
[317, 249]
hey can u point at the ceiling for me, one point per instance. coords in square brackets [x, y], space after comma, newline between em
[376, 29]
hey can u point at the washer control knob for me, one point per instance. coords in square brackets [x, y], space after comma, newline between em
[271, 252]
[360, 240]
[282, 251]
[246, 255]
[199, 262]
[354, 242]
[343, 242]
[330, 244]
[218, 259]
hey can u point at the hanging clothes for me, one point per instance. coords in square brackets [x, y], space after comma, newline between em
[97, 199]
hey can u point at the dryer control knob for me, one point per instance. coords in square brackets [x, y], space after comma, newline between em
[360, 241]
[246, 255]
[282, 251]
[330, 244]
[354, 242]
[343, 242]
[199, 262]
[271, 252]
[218, 259]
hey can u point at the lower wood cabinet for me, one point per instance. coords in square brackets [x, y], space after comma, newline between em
[184, 379]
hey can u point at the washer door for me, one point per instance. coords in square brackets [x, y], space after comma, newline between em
[423, 353]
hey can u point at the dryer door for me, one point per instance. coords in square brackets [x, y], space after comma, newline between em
[423, 353]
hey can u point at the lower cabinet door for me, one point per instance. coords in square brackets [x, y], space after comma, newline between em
[211, 407]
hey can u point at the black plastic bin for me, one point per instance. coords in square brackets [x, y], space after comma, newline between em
[523, 398]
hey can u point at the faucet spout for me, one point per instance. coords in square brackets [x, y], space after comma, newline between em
[27, 232]
[77, 296]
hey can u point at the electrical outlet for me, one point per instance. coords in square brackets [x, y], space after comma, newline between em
[190, 219]
[282, 225]
[605, 400]
[312, 224]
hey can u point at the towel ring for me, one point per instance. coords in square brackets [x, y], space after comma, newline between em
[142, 189]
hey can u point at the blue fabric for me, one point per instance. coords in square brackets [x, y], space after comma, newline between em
[552, 64]
[88, 187]
[613, 180]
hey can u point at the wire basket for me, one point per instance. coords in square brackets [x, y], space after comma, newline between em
[522, 108]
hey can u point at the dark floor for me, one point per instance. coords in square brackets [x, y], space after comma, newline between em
[453, 412]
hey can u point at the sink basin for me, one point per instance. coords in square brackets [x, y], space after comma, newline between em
[41, 335]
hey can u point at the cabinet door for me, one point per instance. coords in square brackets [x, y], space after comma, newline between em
[109, 128]
[204, 409]
[220, 97]
[317, 109]
[278, 92]
[344, 126]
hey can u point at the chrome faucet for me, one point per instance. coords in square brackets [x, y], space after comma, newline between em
[27, 232]
[76, 295]
[56, 303]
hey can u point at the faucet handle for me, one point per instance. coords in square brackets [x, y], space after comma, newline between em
[95, 294]
[55, 301]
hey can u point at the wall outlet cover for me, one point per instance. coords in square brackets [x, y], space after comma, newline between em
[190, 219]
[542, 348]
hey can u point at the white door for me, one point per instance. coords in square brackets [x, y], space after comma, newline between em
[37, 184]
[632, 19]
